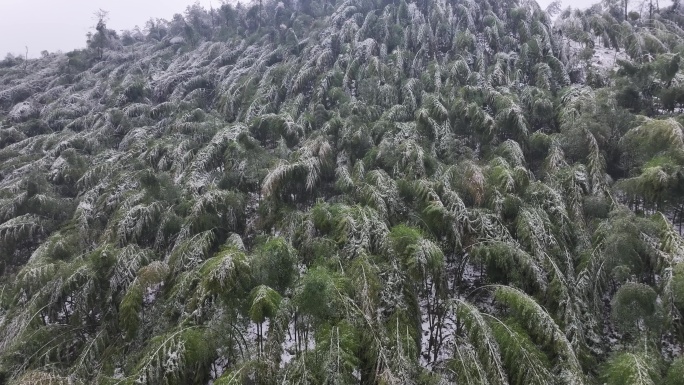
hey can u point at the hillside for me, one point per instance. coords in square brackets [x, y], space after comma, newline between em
[350, 192]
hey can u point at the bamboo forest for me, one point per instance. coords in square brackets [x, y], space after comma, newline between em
[419, 192]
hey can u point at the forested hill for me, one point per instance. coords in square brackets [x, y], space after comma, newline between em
[360, 192]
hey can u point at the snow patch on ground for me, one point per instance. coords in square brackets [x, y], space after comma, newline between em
[603, 58]
[289, 346]
[606, 58]
[151, 293]
[445, 333]
[252, 335]
[218, 366]
[671, 349]
[436, 334]
[472, 275]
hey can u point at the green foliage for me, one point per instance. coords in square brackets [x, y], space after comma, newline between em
[228, 274]
[678, 285]
[651, 139]
[544, 329]
[526, 363]
[131, 305]
[175, 358]
[339, 346]
[635, 305]
[319, 295]
[675, 374]
[264, 303]
[486, 347]
[420, 256]
[621, 242]
[631, 368]
[324, 192]
[275, 264]
[129, 311]
[507, 263]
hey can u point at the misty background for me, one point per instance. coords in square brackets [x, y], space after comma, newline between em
[62, 25]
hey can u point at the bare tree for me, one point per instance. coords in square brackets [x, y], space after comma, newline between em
[100, 38]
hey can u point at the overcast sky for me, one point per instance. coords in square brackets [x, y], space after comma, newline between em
[54, 25]
[62, 24]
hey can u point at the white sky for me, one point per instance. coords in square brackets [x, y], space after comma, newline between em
[54, 25]
[62, 24]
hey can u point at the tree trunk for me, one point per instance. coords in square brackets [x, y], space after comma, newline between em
[625, 3]
[259, 326]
